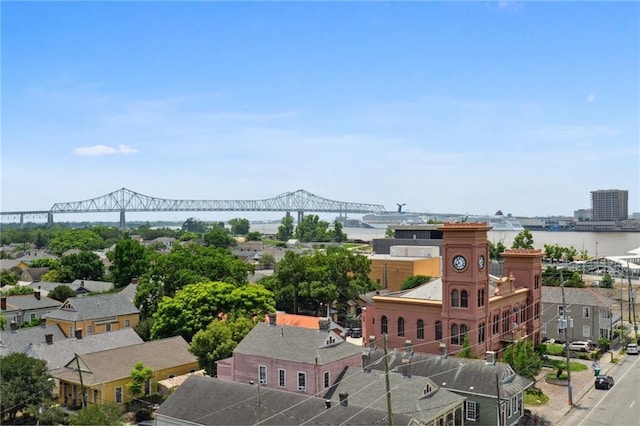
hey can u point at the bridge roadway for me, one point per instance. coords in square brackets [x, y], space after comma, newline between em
[125, 200]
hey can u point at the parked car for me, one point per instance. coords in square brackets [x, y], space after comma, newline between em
[356, 332]
[632, 349]
[604, 382]
[581, 346]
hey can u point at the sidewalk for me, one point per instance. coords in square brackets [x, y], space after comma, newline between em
[558, 406]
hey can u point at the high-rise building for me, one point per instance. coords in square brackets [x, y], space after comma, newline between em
[610, 204]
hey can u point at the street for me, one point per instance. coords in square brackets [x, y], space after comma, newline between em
[618, 406]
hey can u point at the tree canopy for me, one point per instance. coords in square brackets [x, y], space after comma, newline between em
[62, 293]
[415, 281]
[286, 228]
[524, 240]
[239, 226]
[128, 260]
[24, 381]
[523, 359]
[85, 265]
[195, 306]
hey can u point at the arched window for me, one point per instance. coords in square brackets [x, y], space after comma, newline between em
[455, 301]
[420, 329]
[383, 325]
[463, 332]
[401, 327]
[438, 330]
[455, 338]
[464, 299]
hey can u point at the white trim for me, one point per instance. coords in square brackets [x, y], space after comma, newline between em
[262, 380]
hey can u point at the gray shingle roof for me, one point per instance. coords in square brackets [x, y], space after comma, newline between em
[61, 350]
[113, 364]
[20, 339]
[208, 401]
[29, 302]
[408, 393]
[575, 296]
[462, 375]
[296, 344]
[94, 307]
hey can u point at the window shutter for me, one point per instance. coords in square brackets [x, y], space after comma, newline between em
[477, 411]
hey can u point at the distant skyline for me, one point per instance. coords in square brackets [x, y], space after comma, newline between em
[462, 107]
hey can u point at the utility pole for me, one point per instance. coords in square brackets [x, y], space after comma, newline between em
[566, 344]
[498, 397]
[632, 303]
[386, 380]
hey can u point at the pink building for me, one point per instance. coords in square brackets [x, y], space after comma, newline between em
[465, 301]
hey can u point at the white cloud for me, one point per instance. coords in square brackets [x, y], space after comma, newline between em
[98, 150]
[591, 97]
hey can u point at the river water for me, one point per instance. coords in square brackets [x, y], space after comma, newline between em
[596, 243]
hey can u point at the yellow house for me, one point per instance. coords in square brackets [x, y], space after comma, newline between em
[95, 314]
[104, 375]
[389, 271]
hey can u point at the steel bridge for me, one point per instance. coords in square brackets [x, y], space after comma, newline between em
[125, 200]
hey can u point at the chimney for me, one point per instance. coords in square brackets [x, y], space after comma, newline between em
[78, 333]
[43, 322]
[406, 358]
[48, 338]
[344, 399]
[37, 294]
[272, 319]
[408, 347]
[81, 283]
[134, 280]
[372, 343]
[491, 358]
[327, 403]
[443, 350]
[3, 303]
[14, 326]
[323, 324]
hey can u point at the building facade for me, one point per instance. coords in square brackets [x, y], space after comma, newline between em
[610, 204]
[466, 302]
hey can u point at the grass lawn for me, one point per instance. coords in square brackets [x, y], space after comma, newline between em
[534, 396]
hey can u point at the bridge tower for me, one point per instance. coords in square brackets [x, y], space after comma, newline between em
[123, 223]
[49, 219]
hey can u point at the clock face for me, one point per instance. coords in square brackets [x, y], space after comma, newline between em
[459, 263]
[481, 262]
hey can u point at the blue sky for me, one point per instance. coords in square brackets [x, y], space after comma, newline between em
[465, 107]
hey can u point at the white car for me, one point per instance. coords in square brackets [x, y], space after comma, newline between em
[632, 348]
[581, 346]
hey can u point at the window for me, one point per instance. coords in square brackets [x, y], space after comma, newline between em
[95, 396]
[455, 302]
[464, 299]
[536, 309]
[471, 411]
[586, 312]
[586, 331]
[302, 381]
[401, 327]
[108, 327]
[536, 281]
[89, 329]
[463, 332]
[383, 325]
[543, 328]
[480, 297]
[505, 321]
[33, 317]
[454, 335]
[282, 377]
[420, 329]
[496, 320]
[438, 330]
[119, 395]
[71, 331]
[262, 374]
[127, 323]
[481, 333]
[327, 379]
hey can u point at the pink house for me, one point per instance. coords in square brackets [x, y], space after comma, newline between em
[294, 359]
[465, 301]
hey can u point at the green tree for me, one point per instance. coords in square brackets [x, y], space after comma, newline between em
[195, 226]
[8, 278]
[606, 281]
[219, 237]
[390, 232]
[194, 307]
[254, 236]
[240, 226]
[338, 235]
[85, 265]
[524, 240]
[83, 239]
[128, 260]
[466, 348]
[24, 381]
[312, 229]
[62, 293]
[42, 240]
[18, 290]
[219, 340]
[139, 375]
[495, 250]
[286, 229]
[415, 281]
[523, 359]
[98, 415]
[267, 261]
[3, 322]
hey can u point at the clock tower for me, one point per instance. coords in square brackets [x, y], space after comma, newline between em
[465, 285]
